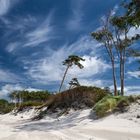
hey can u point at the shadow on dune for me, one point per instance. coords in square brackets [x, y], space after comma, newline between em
[65, 122]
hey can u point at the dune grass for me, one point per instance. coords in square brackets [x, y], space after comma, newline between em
[111, 103]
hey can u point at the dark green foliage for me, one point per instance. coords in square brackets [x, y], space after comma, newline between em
[37, 96]
[31, 103]
[133, 12]
[25, 99]
[109, 104]
[74, 60]
[5, 106]
[133, 19]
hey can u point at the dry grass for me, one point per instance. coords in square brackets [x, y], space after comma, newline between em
[77, 98]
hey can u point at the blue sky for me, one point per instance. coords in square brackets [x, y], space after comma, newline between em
[37, 35]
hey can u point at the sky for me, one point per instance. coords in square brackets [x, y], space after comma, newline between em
[37, 35]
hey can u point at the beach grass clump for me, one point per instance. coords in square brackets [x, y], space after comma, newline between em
[109, 104]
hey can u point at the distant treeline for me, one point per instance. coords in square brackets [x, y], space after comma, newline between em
[5, 106]
[24, 96]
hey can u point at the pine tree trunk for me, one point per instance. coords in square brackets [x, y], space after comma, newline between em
[63, 78]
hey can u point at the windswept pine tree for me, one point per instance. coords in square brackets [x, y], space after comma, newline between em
[69, 62]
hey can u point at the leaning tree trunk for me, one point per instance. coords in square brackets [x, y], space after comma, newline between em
[63, 78]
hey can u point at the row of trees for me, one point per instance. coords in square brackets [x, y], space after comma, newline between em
[115, 38]
[20, 97]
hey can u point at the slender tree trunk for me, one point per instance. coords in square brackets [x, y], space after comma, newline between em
[122, 74]
[63, 78]
[15, 101]
[20, 100]
[113, 71]
[114, 77]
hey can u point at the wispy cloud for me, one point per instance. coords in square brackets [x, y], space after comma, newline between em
[92, 66]
[96, 82]
[5, 6]
[134, 74]
[131, 90]
[12, 46]
[76, 18]
[49, 70]
[7, 76]
[41, 34]
[28, 36]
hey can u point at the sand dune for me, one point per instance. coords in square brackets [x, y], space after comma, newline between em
[77, 125]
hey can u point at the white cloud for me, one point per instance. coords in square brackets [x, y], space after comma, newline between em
[12, 46]
[115, 9]
[92, 66]
[5, 6]
[75, 21]
[131, 90]
[134, 74]
[7, 76]
[41, 34]
[133, 31]
[50, 68]
[8, 88]
[95, 82]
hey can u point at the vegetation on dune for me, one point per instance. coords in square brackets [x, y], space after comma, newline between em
[110, 104]
[40, 96]
[77, 97]
[5, 106]
[24, 98]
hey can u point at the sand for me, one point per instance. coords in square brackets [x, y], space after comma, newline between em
[77, 125]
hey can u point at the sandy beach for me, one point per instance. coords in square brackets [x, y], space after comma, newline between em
[77, 125]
